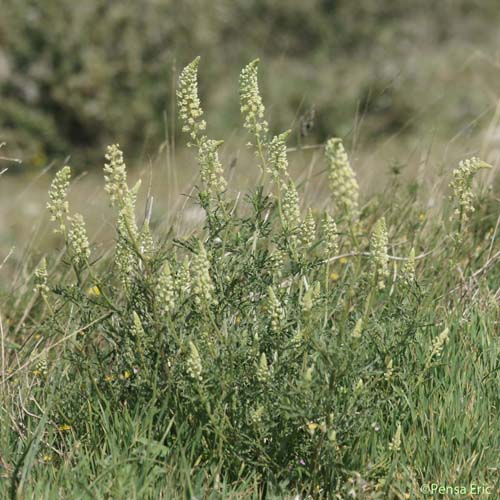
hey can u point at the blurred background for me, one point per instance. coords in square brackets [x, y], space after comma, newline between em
[409, 85]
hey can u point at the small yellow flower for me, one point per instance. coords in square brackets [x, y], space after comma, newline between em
[93, 291]
[311, 428]
[108, 378]
[126, 374]
[46, 459]
[343, 260]
[64, 428]
[421, 216]
[334, 276]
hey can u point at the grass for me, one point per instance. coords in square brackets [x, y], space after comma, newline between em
[266, 352]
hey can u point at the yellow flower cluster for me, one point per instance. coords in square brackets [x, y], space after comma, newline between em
[379, 257]
[115, 174]
[78, 241]
[263, 369]
[251, 104]
[277, 164]
[291, 208]
[202, 286]
[395, 444]
[57, 204]
[439, 342]
[462, 186]
[183, 278]
[164, 295]
[194, 366]
[331, 236]
[211, 170]
[308, 229]
[275, 310]
[343, 184]
[41, 277]
[190, 111]
[409, 268]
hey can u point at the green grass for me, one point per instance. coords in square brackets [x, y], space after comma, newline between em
[293, 360]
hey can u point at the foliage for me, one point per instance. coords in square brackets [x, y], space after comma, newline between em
[271, 353]
[74, 77]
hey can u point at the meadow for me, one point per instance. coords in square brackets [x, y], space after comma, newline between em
[291, 337]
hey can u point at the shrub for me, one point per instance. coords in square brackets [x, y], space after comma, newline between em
[270, 346]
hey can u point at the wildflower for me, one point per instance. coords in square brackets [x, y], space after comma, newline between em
[93, 291]
[334, 276]
[379, 257]
[256, 415]
[46, 459]
[211, 170]
[190, 111]
[183, 278]
[331, 238]
[359, 386]
[251, 104]
[308, 374]
[278, 162]
[41, 277]
[343, 260]
[439, 342]
[332, 436]
[358, 329]
[308, 229]
[164, 291]
[64, 428]
[146, 242]
[137, 328]
[194, 366]
[395, 444]
[277, 260]
[462, 186]
[263, 369]
[409, 268]
[203, 287]
[311, 428]
[310, 297]
[343, 184]
[127, 214]
[57, 204]
[78, 241]
[389, 370]
[297, 339]
[125, 256]
[115, 176]
[291, 209]
[275, 310]
[41, 366]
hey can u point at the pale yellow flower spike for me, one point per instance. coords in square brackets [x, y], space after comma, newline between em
[379, 256]
[190, 111]
[78, 241]
[57, 204]
[343, 184]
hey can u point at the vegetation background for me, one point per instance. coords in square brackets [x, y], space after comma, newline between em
[412, 88]
[400, 82]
